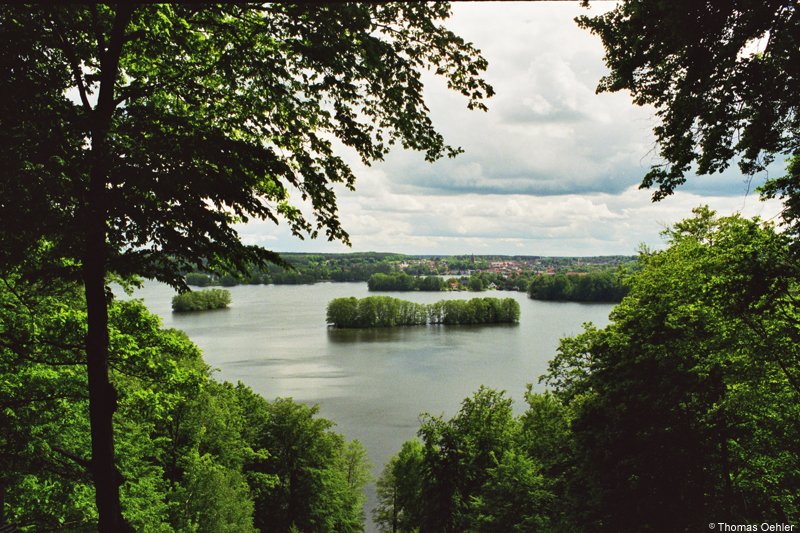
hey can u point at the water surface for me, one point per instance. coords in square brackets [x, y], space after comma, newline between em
[372, 383]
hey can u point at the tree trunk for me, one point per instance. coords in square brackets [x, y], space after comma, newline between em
[102, 396]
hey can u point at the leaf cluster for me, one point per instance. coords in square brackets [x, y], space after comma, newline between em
[201, 300]
[209, 116]
[722, 76]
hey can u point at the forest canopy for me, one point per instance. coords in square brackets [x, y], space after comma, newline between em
[201, 300]
[601, 286]
[724, 80]
[684, 407]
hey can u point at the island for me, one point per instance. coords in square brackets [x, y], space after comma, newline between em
[205, 300]
[385, 311]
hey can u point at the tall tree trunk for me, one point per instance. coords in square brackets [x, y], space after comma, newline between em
[102, 396]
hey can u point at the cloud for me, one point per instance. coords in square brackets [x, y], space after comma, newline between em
[551, 169]
[570, 224]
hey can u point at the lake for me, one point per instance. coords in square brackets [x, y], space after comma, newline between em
[372, 383]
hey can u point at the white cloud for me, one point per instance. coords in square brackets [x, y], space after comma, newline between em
[551, 169]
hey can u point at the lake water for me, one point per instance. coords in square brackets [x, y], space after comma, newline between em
[372, 383]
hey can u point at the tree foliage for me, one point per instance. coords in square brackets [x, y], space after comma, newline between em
[136, 136]
[600, 286]
[474, 472]
[723, 77]
[686, 403]
[201, 300]
[400, 281]
[384, 311]
[238, 98]
[685, 407]
[195, 454]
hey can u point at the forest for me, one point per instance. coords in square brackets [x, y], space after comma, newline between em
[305, 268]
[196, 454]
[400, 281]
[398, 272]
[384, 311]
[684, 408]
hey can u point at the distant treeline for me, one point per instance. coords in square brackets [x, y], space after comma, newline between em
[201, 300]
[308, 268]
[316, 267]
[600, 286]
[400, 281]
[384, 311]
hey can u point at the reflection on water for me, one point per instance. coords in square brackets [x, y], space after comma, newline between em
[373, 383]
[403, 333]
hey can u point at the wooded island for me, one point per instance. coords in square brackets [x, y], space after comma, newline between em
[201, 300]
[384, 311]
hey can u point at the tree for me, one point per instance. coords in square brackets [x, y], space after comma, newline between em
[201, 300]
[399, 489]
[220, 498]
[318, 478]
[475, 283]
[458, 454]
[686, 405]
[723, 77]
[482, 470]
[135, 137]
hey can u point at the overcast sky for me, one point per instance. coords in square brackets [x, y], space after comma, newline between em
[551, 168]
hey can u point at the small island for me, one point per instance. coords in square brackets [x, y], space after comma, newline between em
[205, 300]
[384, 311]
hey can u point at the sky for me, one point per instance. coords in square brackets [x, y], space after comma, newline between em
[551, 169]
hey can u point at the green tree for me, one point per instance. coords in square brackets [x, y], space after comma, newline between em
[219, 498]
[135, 137]
[44, 435]
[515, 497]
[482, 470]
[475, 283]
[343, 312]
[399, 490]
[683, 405]
[317, 479]
[546, 440]
[458, 455]
[197, 455]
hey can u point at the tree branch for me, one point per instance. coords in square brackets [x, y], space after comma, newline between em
[101, 41]
[77, 459]
[72, 57]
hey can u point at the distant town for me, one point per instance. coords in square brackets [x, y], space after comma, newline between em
[462, 272]
[508, 265]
